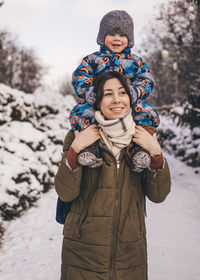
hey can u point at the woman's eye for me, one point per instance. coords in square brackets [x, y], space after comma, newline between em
[123, 92]
[107, 94]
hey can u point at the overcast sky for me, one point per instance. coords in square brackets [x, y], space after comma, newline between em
[63, 31]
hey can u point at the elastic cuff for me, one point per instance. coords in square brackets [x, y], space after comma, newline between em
[149, 129]
[72, 158]
[157, 162]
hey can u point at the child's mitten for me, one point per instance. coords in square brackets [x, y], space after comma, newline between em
[134, 94]
[90, 96]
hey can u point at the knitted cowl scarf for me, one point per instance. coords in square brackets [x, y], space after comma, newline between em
[116, 134]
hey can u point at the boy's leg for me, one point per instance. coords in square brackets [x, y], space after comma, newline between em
[146, 116]
[80, 118]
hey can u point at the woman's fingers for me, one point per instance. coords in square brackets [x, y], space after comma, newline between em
[138, 131]
[146, 140]
[155, 137]
[92, 130]
[85, 138]
[139, 128]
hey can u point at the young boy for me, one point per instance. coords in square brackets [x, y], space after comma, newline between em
[116, 39]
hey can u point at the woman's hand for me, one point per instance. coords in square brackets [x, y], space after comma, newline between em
[146, 141]
[85, 138]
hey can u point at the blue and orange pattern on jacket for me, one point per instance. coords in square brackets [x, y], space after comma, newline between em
[138, 75]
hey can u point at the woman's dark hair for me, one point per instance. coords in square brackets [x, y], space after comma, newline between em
[99, 82]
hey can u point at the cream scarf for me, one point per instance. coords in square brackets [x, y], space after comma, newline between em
[116, 134]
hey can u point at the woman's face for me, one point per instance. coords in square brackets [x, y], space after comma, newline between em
[115, 102]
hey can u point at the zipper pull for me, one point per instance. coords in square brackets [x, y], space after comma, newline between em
[118, 164]
[155, 174]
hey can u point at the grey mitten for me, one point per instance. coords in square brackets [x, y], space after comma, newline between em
[90, 96]
[134, 94]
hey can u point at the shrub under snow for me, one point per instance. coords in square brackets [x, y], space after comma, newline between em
[32, 129]
[180, 129]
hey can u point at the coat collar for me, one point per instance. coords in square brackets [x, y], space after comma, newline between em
[125, 53]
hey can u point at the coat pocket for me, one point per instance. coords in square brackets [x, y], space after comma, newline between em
[129, 230]
[72, 225]
[131, 225]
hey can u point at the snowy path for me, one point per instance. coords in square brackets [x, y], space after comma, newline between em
[33, 242]
[173, 228]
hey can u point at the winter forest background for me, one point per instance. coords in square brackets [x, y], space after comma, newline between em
[34, 121]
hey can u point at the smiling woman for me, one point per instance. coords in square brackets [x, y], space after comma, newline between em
[104, 232]
[115, 102]
[114, 96]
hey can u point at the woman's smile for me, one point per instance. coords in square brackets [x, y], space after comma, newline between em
[117, 109]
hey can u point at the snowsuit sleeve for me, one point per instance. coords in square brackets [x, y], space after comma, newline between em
[143, 81]
[67, 181]
[157, 183]
[82, 77]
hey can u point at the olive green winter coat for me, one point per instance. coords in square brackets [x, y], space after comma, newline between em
[104, 233]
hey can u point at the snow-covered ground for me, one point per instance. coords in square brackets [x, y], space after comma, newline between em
[32, 243]
[173, 228]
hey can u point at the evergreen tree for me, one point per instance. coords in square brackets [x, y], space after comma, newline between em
[195, 54]
[20, 68]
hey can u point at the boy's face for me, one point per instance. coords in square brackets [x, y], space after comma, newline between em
[116, 42]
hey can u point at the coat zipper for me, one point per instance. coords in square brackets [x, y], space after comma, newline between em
[116, 221]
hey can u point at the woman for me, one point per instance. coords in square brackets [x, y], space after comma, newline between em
[104, 233]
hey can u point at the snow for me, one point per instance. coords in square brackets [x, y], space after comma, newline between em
[173, 227]
[178, 109]
[32, 244]
[181, 140]
[32, 129]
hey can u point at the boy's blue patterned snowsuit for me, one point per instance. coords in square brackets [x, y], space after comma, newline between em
[138, 75]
